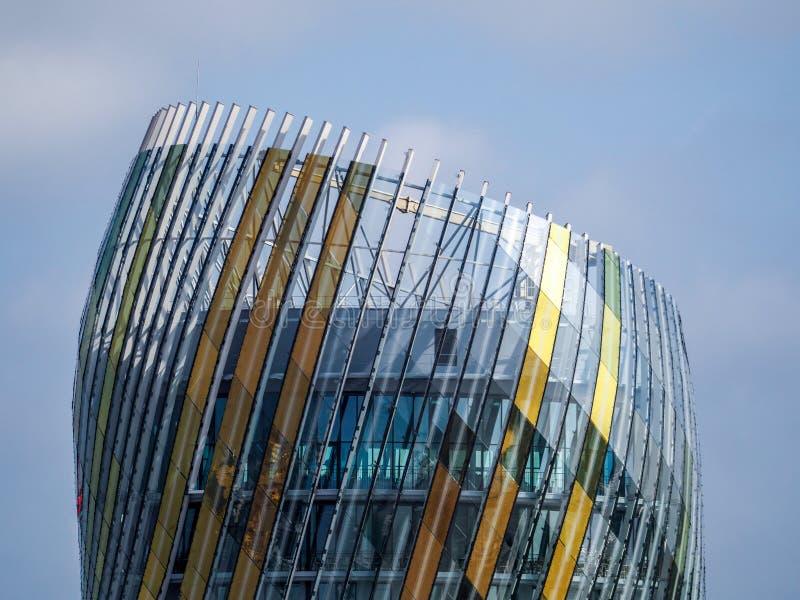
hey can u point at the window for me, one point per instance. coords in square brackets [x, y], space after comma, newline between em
[445, 347]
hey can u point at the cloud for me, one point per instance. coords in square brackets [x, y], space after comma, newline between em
[53, 96]
[459, 146]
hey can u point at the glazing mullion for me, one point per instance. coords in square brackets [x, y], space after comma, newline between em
[157, 297]
[288, 248]
[558, 392]
[293, 403]
[333, 371]
[120, 411]
[133, 288]
[518, 436]
[387, 459]
[634, 477]
[562, 404]
[349, 478]
[136, 434]
[440, 501]
[108, 305]
[594, 447]
[178, 341]
[107, 250]
[620, 434]
[651, 494]
[213, 338]
[666, 546]
[634, 510]
[572, 422]
[114, 306]
[461, 237]
[667, 449]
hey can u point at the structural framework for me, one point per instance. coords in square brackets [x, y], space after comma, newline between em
[302, 375]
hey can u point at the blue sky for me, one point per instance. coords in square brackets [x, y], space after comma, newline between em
[671, 132]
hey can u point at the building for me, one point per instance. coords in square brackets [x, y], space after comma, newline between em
[301, 374]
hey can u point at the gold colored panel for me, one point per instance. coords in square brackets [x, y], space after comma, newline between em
[237, 413]
[605, 392]
[245, 579]
[484, 557]
[554, 273]
[256, 342]
[406, 595]
[256, 535]
[202, 371]
[500, 501]
[530, 390]
[609, 347]
[202, 551]
[560, 235]
[292, 401]
[576, 520]
[155, 566]
[543, 332]
[424, 563]
[144, 594]
[220, 479]
[193, 584]
[560, 574]
[186, 438]
[174, 489]
[441, 503]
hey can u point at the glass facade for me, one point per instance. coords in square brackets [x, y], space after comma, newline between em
[302, 375]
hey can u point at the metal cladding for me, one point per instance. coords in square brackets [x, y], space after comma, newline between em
[302, 375]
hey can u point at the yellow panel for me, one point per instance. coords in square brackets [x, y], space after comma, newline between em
[185, 438]
[292, 400]
[204, 542]
[96, 461]
[424, 563]
[554, 270]
[144, 594]
[153, 576]
[545, 325]
[262, 517]
[500, 501]
[237, 413]
[609, 347]
[202, 371]
[245, 579]
[484, 556]
[530, 390]
[193, 584]
[560, 235]
[171, 500]
[441, 503]
[560, 574]
[603, 406]
[576, 520]
[160, 547]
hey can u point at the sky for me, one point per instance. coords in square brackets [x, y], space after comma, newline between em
[671, 131]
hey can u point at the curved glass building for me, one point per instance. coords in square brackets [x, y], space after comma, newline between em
[302, 374]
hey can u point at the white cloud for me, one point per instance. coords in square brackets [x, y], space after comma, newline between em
[54, 97]
[459, 146]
